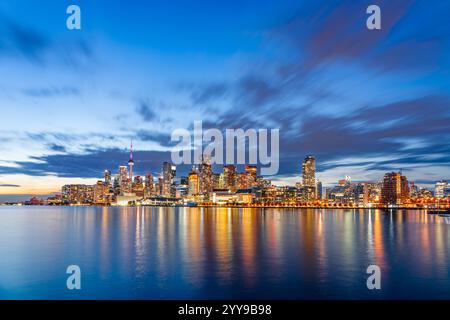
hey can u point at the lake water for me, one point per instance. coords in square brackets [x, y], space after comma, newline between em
[219, 253]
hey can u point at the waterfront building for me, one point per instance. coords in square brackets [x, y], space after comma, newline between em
[138, 186]
[221, 184]
[251, 176]
[244, 196]
[263, 183]
[168, 174]
[319, 190]
[124, 181]
[101, 192]
[309, 177]
[194, 183]
[372, 193]
[216, 180]
[229, 172]
[107, 176]
[149, 186]
[425, 193]
[242, 182]
[160, 185]
[413, 191]
[395, 190]
[441, 188]
[206, 176]
[77, 194]
[224, 197]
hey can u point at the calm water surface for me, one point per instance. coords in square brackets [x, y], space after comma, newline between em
[193, 253]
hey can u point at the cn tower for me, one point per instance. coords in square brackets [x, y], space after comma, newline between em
[131, 162]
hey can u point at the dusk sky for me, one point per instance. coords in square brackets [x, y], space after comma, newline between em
[362, 101]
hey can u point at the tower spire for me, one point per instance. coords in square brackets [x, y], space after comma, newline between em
[131, 162]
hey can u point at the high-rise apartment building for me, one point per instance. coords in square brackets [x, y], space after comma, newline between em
[229, 173]
[395, 189]
[194, 182]
[251, 176]
[441, 189]
[309, 178]
[168, 174]
[206, 176]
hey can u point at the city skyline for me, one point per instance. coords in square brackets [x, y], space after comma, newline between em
[230, 187]
[307, 174]
[363, 102]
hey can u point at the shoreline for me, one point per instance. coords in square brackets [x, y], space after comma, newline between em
[385, 208]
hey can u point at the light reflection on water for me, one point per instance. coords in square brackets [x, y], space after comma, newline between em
[201, 253]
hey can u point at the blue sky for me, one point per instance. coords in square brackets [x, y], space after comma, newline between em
[364, 102]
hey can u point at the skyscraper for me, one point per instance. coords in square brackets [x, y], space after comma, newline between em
[440, 187]
[229, 173]
[193, 180]
[395, 188]
[124, 180]
[149, 186]
[319, 190]
[241, 180]
[168, 174]
[309, 171]
[309, 178]
[107, 178]
[251, 175]
[206, 176]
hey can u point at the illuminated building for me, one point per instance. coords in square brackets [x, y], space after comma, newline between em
[168, 174]
[116, 184]
[309, 177]
[107, 178]
[425, 193]
[242, 181]
[395, 188]
[77, 194]
[206, 176]
[229, 173]
[138, 186]
[194, 183]
[413, 191]
[268, 194]
[100, 192]
[263, 183]
[149, 188]
[319, 190]
[124, 181]
[372, 193]
[224, 197]
[441, 188]
[251, 175]
[244, 196]
[160, 185]
[217, 178]
[181, 187]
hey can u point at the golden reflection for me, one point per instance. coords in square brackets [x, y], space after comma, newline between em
[192, 244]
[223, 243]
[378, 239]
[248, 243]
